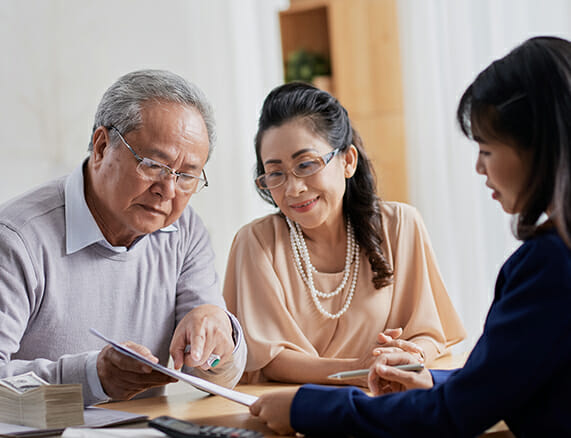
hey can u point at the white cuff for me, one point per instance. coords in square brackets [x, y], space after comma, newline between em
[93, 377]
[237, 335]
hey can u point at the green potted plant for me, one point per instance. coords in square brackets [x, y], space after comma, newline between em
[307, 66]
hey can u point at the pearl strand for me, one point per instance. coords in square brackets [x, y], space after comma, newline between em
[300, 251]
[300, 248]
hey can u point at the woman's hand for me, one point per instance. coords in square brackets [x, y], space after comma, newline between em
[367, 359]
[274, 410]
[384, 378]
[388, 343]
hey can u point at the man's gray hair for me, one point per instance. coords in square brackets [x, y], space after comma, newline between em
[123, 101]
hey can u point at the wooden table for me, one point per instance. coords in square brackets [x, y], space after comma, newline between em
[202, 408]
[195, 406]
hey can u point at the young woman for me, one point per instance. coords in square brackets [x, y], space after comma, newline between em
[337, 272]
[518, 110]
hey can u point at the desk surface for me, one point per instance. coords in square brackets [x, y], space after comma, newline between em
[197, 407]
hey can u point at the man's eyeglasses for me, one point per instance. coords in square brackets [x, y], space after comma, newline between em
[152, 170]
[301, 169]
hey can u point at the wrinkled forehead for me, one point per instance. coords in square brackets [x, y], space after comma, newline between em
[155, 114]
[171, 130]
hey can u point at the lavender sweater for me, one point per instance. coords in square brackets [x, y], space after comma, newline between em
[49, 298]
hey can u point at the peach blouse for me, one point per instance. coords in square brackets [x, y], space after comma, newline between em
[265, 291]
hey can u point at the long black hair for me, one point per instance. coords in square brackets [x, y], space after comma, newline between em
[524, 100]
[329, 119]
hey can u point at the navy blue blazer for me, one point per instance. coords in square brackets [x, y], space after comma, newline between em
[519, 371]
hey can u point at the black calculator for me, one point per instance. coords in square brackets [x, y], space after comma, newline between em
[185, 429]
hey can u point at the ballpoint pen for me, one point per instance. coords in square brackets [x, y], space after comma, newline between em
[359, 373]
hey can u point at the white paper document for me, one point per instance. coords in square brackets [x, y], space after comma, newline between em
[205, 385]
[73, 432]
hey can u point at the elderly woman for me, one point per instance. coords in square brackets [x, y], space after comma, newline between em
[337, 275]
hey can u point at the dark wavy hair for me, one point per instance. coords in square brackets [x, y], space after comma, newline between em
[329, 119]
[524, 100]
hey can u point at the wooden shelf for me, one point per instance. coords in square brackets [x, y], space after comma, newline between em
[305, 29]
[360, 38]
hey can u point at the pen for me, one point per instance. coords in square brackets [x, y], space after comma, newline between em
[212, 360]
[359, 373]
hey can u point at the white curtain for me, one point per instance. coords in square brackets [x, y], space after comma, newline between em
[444, 44]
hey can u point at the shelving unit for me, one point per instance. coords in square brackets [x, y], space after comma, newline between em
[360, 37]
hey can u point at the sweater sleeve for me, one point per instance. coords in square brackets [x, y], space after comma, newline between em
[524, 350]
[198, 284]
[20, 298]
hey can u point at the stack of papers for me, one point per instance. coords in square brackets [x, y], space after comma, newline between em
[29, 400]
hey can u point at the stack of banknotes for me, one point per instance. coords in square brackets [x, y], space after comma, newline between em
[28, 400]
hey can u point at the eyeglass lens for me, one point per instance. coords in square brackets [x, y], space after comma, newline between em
[301, 169]
[156, 172]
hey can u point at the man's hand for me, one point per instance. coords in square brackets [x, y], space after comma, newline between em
[123, 377]
[207, 329]
[274, 410]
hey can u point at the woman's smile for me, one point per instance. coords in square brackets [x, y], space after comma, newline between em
[304, 206]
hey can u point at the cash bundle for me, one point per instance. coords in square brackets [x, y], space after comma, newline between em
[29, 400]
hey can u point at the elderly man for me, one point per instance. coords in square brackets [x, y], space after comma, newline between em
[115, 246]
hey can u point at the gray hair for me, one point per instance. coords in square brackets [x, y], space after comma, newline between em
[122, 103]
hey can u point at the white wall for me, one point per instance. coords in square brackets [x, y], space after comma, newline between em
[59, 56]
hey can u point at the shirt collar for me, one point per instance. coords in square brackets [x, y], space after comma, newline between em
[81, 230]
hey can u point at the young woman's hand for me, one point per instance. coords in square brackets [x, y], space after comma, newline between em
[274, 410]
[386, 342]
[384, 378]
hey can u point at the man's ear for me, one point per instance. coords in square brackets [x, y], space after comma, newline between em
[100, 141]
[351, 158]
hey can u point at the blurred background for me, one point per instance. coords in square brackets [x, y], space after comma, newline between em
[399, 66]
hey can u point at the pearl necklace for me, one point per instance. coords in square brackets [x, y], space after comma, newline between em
[300, 252]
